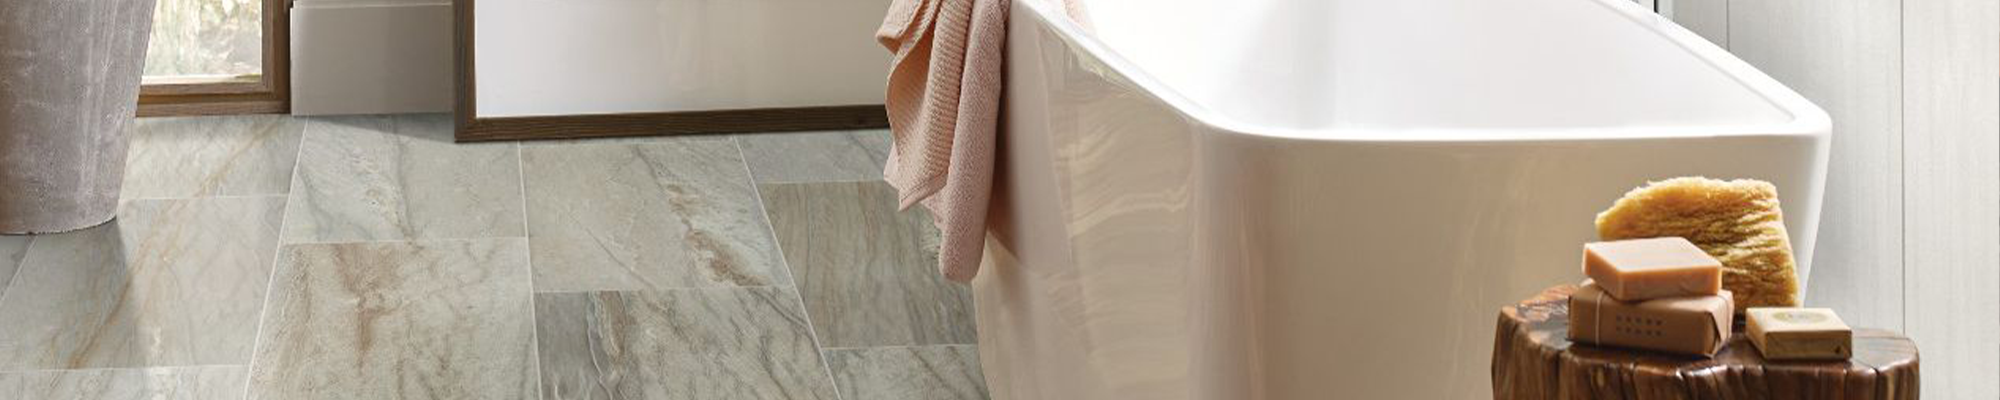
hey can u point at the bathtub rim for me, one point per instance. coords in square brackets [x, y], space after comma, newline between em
[1808, 119]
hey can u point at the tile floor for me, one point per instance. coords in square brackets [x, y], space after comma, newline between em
[368, 257]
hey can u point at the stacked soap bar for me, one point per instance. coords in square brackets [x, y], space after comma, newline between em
[1695, 325]
[1660, 294]
[1799, 334]
[1646, 269]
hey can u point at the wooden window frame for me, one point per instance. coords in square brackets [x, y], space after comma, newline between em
[270, 93]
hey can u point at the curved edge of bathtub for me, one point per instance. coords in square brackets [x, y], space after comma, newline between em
[1807, 118]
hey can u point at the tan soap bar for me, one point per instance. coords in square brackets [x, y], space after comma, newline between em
[1695, 325]
[1646, 269]
[1783, 333]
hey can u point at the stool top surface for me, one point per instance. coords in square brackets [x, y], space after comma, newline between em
[1534, 357]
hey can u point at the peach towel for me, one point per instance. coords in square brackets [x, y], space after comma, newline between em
[944, 105]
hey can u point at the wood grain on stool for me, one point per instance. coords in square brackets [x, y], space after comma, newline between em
[1534, 359]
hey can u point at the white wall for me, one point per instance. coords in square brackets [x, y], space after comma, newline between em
[1910, 234]
[546, 57]
[371, 56]
[543, 57]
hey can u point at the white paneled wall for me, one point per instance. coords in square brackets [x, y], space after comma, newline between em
[1910, 233]
[1844, 56]
[1951, 160]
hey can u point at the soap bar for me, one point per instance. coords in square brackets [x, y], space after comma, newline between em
[1738, 222]
[1799, 333]
[1696, 325]
[1646, 269]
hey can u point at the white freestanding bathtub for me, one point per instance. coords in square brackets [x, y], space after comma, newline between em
[1331, 199]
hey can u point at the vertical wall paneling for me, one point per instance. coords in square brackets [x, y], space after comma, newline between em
[1708, 18]
[1843, 55]
[1951, 128]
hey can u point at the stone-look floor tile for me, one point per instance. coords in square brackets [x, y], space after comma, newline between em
[401, 177]
[740, 343]
[211, 156]
[170, 383]
[430, 319]
[170, 282]
[816, 156]
[646, 216]
[868, 272]
[908, 373]
[11, 250]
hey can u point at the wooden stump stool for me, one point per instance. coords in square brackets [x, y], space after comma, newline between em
[1534, 359]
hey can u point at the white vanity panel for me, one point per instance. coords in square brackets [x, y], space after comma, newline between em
[548, 57]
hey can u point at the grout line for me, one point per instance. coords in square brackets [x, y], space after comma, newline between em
[812, 329]
[664, 289]
[277, 257]
[528, 250]
[217, 197]
[901, 346]
[867, 180]
[19, 267]
[405, 240]
[624, 140]
[246, 369]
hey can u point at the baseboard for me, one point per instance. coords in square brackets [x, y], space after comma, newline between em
[673, 123]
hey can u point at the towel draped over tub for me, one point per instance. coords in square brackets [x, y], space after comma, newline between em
[944, 105]
[944, 102]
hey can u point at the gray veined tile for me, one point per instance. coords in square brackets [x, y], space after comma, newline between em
[405, 320]
[646, 216]
[868, 272]
[401, 177]
[167, 383]
[731, 343]
[816, 156]
[170, 282]
[211, 156]
[12, 248]
[908, 373]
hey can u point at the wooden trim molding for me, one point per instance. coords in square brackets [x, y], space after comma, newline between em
[180, 106]
[270, 94]
[673, 123]
[472, 128]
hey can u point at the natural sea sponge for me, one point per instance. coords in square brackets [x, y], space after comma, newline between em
[1738, 222]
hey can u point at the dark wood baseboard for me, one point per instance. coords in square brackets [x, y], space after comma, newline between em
[210, 105]
[672, 123]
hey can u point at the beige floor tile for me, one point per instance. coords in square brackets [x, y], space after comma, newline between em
[694, 344]
[169, 283]
[433, 319]
[646, 216]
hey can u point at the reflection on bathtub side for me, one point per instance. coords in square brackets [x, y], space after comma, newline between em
[1086, 270]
